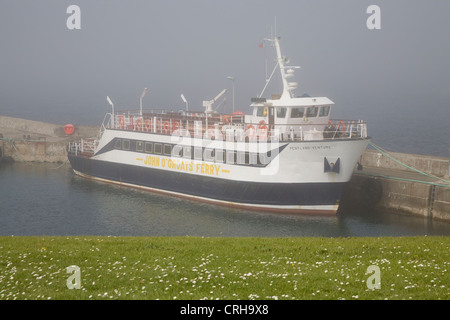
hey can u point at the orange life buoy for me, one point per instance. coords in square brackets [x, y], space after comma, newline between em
[250, 131]
[121, 122]
[166, 127]
[263, 130]
[158, 125]
[69, 129]
[148, 125]
[175, 126]
[130, 121]
[139, 124]
[343, 125]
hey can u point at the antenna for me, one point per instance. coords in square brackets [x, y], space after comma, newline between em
[275, 26]
[142, 97]
[185, 101]
[112, 106]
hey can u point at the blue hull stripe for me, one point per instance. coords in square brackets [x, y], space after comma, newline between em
[279, 194]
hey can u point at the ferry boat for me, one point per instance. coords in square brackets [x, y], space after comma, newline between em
[287, 156]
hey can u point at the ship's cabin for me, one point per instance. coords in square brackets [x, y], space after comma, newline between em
[294, 116]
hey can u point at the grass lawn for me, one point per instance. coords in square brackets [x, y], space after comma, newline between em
[168, 268]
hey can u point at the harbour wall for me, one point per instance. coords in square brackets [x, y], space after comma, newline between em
[389, 182]
[29, 150]
[432, 165]
[384, 182]
[28, 140]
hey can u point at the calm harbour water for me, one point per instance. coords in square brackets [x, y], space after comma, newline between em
[47, 199]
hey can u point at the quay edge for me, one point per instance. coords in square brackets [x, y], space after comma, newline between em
[384, 183]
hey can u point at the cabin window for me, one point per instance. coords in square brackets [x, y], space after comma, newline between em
[324, 111]
[231, 156]
[167, 150]
[177, 151]
[198, 154]
[158, 148]
[262, 159]
[297, 112]
[253, 158]
[261, 112]
[209, 154]
[220, 155]
[118, 144]
[312, 112]
[126, 144]
[281, 112]
[187, 152]
[243, 158]
[148, 147]
[139, 146]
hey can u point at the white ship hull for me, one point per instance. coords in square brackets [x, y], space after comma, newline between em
[293, 178]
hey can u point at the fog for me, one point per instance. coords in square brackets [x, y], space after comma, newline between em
[397, 76]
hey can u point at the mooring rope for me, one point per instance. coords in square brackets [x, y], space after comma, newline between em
[384, 152]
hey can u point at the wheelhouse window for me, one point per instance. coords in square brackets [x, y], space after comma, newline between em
[118, 144]
[324, 111]
[281, 112]
[312, 112]
[297, 112]
[261, 112]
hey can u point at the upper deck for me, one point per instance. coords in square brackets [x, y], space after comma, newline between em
[282, 118]
[267, 123]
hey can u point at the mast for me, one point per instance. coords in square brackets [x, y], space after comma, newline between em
[286, 92]
[286, 72]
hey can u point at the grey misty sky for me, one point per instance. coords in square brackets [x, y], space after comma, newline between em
[50, 73]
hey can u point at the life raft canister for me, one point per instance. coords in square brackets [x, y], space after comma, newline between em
[69, 129]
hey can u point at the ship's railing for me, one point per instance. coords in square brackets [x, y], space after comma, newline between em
[226, 127]
[83, 147]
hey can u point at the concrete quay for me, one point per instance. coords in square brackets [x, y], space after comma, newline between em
[420, 187]
[28, 140]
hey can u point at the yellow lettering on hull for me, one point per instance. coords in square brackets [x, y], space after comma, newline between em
[182, 165]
